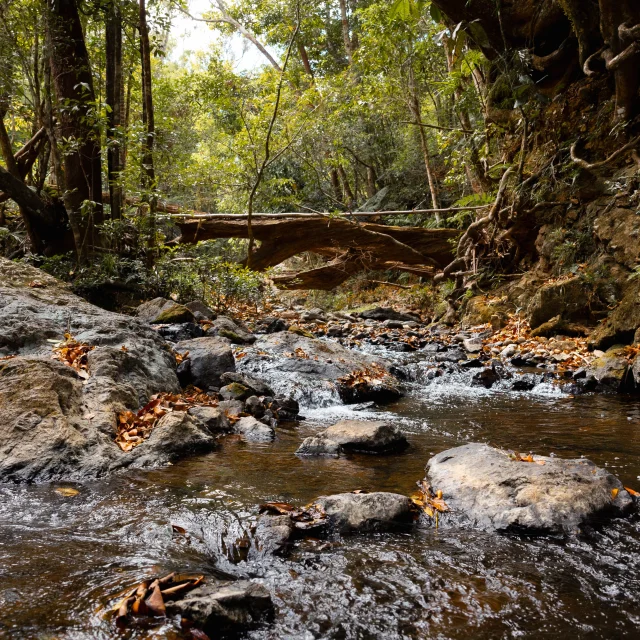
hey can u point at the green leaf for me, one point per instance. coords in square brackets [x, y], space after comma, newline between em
[404, 9]
[436, 14]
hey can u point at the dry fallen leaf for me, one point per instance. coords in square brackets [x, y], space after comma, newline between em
[67, 492]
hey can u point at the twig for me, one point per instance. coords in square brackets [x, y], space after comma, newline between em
[435, 126]
[298, 214]
[391, 284]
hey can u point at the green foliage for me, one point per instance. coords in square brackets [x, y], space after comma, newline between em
[201, 272]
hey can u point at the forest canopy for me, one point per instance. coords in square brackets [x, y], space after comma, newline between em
[433, 111]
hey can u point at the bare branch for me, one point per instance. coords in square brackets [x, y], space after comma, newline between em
[226, 18]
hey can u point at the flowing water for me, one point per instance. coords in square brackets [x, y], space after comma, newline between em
[63, 559]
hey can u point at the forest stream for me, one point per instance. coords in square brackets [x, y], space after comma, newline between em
[63, 559]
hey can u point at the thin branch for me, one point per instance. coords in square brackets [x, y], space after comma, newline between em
[435, 126]
[267, 151]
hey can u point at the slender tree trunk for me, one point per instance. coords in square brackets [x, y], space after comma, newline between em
[335, 183]
[349, 198]
[371, 182]
[73, 82]
[5, 146]
[305, 59]
[414, 105]
[149, 176]
[114, 97]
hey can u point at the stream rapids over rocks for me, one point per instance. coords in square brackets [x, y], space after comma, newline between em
[67, 549]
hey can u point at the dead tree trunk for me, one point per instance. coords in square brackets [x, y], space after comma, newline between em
[282, 239]
[73, 83]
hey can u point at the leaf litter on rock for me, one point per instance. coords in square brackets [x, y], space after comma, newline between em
[73, 354]
[148, 599]
[132, 429]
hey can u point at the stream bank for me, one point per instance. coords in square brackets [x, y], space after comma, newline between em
[68, 548]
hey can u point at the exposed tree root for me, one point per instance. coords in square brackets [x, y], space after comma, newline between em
[589, 166]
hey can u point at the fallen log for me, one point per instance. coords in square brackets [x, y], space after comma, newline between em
[334, 273]
[283, 239]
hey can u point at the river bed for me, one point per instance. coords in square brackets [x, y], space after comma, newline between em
[64, 559]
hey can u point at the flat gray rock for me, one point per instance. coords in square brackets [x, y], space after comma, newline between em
[355, 436]
[490, 489]
[363, 512]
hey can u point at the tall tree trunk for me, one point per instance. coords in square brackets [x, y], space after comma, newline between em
[149, 175]
[348, 45]
[73, 83]
[114, 96]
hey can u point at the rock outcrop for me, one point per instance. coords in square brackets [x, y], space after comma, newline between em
[54, 423]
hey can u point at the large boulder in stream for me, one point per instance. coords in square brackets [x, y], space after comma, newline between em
[496, 490]
[53, 422]
[318, 372]
[355, 436]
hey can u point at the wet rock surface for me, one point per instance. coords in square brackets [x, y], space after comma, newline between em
[220, 608]
[493, 490]
[366, 512]
[253, 430]
[307, 368]
[355, 436]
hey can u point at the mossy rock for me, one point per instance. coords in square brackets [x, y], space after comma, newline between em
[175, 314]
[235, 391]
[481, 309]
[294, 328]
[235, 338]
